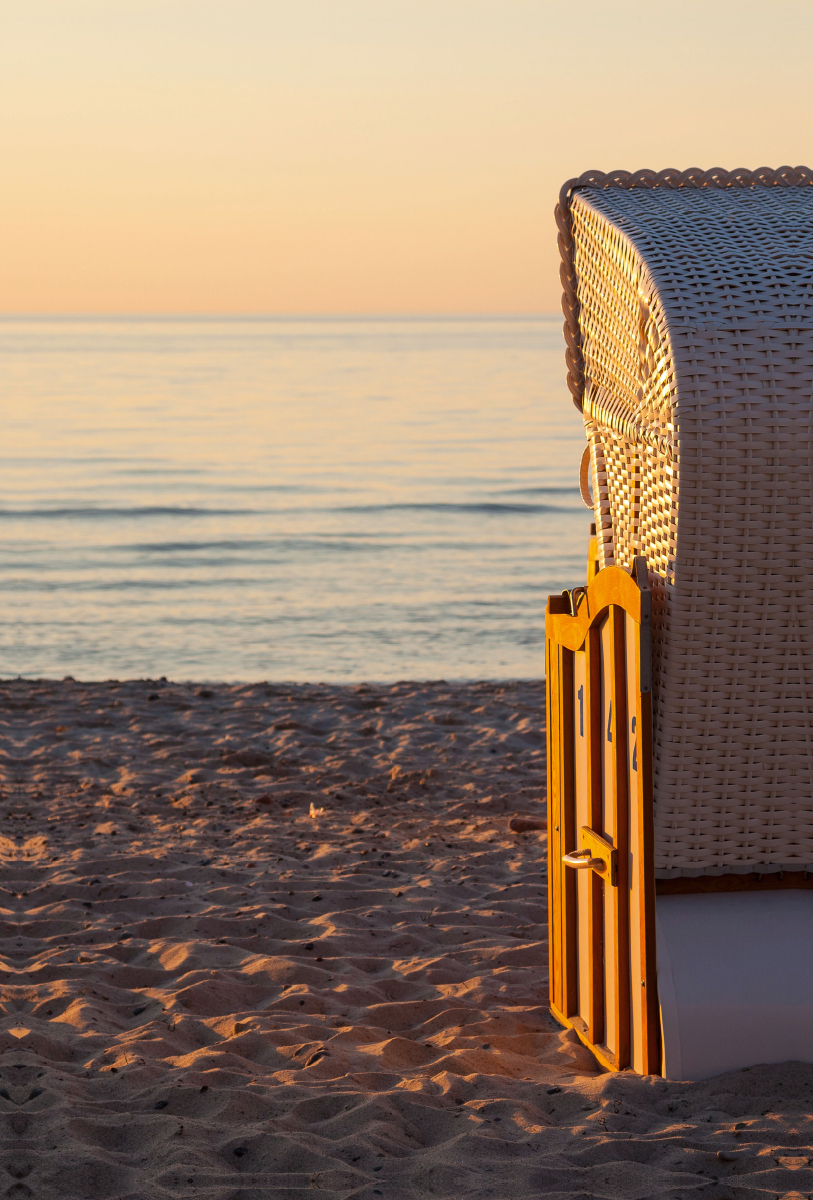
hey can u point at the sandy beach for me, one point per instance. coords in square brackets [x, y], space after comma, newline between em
[266, 940]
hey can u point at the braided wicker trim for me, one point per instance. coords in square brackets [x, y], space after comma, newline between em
[670, 178]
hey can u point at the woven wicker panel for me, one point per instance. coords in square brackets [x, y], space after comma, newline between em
[692, 359]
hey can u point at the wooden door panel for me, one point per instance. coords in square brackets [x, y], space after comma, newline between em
[602, 937]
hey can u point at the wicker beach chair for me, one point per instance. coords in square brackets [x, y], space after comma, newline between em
[680, 679]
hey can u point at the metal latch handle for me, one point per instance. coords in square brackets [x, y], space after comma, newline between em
[597, 853]
[581, 860]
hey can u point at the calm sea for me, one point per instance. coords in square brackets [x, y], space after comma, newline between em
[278, 499]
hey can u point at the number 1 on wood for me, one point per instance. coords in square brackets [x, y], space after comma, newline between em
[580, 694]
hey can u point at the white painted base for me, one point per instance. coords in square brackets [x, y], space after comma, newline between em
[735, 980]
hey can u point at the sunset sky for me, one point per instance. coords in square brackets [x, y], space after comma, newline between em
[357, 156]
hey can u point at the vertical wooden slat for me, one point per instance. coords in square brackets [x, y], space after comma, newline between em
[651, 1030]
[620, 897]
[568, 841]
[646, 847]
[595, 891]
[553, 701]
[607, 830]
[634, 873]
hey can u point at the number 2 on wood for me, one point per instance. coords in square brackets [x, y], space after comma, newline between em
[580, 694]
[610, 723]
[634, 746]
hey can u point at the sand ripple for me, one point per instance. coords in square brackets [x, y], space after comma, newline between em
[209, 992]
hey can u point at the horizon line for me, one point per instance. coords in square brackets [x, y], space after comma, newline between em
[271, 316]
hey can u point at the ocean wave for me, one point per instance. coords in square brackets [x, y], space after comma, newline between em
[138, 512]
[487, 507]
[564, 490]
[146, 510]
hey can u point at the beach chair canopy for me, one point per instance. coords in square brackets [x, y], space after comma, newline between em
[689, 323]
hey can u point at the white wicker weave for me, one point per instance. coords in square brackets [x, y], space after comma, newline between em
[689, 305]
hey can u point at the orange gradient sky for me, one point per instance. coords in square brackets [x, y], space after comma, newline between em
[357, 156]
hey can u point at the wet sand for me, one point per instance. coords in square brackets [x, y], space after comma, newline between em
[208, 991]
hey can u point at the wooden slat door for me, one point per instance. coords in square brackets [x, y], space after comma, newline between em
[600, 794]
